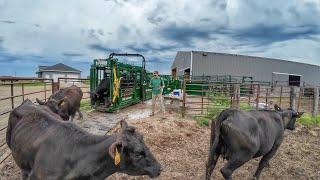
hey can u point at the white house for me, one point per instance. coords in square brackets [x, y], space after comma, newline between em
[58, 71]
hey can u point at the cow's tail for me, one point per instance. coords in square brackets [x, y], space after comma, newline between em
[9, 132]
[215, 145]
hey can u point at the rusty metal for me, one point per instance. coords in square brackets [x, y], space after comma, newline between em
[22, 79]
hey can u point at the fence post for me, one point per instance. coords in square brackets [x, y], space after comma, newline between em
[12, 98]
[184, 98]
[315, 102]
[281, 92]
[238, 96]
[258, 97]
[22, 90]
[292, 97]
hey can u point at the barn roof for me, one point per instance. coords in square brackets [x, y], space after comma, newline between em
[60, 67]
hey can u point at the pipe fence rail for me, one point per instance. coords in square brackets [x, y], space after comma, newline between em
[83, 83]
[203, 98]
[13, 91]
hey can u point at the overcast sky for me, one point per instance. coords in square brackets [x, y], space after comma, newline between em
[74, 32]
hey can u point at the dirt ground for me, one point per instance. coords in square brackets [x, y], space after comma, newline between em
[181, 146]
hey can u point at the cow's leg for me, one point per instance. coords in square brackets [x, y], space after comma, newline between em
[32, 176]
[72, 116]
[212, 161]
[234, 163]
[80, 114]
[265, 160]
[24, 174]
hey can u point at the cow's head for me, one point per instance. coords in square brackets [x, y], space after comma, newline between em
[289, 117]
[59, 107]
[93, 98]
[135, 156]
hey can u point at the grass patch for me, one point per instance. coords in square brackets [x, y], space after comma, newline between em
[218, 103]
[85, 105]
[308, 120]
[202, 121]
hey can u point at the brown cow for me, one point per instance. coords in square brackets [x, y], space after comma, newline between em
[65, 102]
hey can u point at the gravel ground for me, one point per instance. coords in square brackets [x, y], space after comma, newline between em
[181, 146]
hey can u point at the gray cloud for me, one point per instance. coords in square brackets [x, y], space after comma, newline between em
[70, 54]
[7, 21]
[101, 48]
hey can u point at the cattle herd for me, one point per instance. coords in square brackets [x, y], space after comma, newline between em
[46, 144]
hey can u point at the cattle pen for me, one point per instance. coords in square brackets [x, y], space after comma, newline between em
[180, 143]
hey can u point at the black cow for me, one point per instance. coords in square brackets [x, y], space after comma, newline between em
[242, 135]
[97, 96]
[44, 147]
[65, 102]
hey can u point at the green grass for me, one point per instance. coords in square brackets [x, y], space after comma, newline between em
[85, 105]
[202, 121]
[308, 120]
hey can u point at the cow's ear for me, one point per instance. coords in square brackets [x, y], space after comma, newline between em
[114, 149]
[40, 102]
[123, 124]
[62, 102]
[277, 108]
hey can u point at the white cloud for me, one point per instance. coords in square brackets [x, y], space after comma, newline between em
[53, 28]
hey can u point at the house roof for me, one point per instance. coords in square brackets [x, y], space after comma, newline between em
[60, 67]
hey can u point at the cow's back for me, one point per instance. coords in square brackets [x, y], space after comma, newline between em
[33, 127]
[254, 130]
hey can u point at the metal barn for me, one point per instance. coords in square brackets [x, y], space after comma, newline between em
[199, 63]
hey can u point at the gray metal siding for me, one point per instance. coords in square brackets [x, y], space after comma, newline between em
[259, 68]
[181, 62]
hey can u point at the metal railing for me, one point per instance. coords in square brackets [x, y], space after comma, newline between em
[13, 91]
[204, 98]
[83, 83]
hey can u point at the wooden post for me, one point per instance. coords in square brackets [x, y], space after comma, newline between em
[281, 92]
[299, 98]
[12, 98]
[22, 90]
[45, 90]
[315, 102]
[267, 96]
[258, 97]
[292, 97]
[238, 96]
[184, 98]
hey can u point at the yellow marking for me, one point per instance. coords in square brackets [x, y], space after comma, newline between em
[116, 84]
[117, 158]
